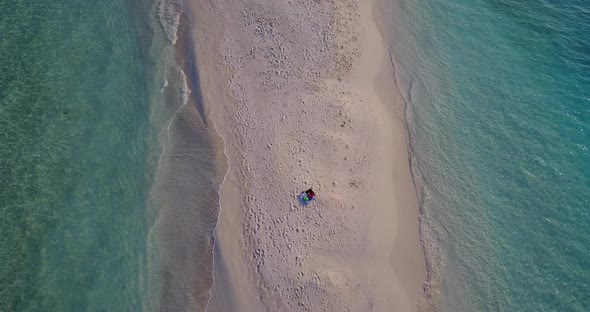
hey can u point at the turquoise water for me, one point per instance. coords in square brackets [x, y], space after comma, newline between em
[108, 171]
[499, 118]
[74, 175]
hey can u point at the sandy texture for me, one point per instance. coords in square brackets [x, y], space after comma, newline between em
[303, 93]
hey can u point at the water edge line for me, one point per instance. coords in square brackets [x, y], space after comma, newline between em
[429, 254]
[227, 161]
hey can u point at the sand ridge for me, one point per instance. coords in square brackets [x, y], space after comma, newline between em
[300, 118]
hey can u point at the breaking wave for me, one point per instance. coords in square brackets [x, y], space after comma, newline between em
[169, 12]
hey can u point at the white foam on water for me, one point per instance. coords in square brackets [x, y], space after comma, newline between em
[165, 82]
[185, 92]
[169, 12]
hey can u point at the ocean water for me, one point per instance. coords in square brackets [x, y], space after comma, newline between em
[499, 116]
[74, 125]
[90, 117]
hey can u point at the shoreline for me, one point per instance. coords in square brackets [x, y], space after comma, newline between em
[269, 253]
[394, 107]
[191, 167]
[223, 292]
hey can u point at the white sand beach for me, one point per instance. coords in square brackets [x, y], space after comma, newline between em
[303, 93]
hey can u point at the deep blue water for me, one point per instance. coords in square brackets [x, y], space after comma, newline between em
[499, 119]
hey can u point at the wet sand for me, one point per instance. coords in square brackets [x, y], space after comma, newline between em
[303, 94]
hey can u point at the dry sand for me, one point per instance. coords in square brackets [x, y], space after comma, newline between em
[303, 93]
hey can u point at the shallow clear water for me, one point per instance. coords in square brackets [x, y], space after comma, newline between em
[108, 169]
[499, 119]
[74, 132]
